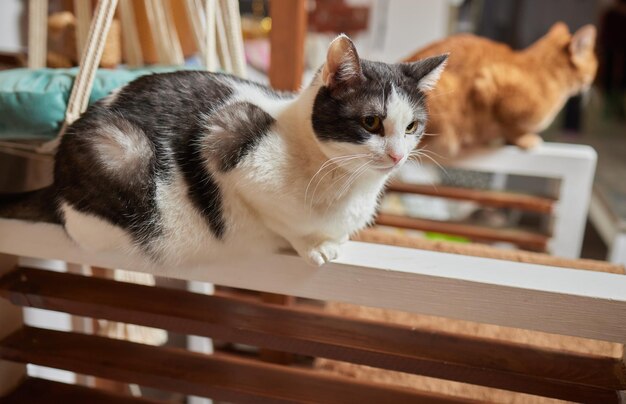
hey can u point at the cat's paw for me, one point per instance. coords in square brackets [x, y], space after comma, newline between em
[322, 253]
[528, 141]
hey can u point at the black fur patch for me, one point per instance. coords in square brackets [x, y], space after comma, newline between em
[203, 190]
[35, 206]
[236, 129]
[337, 115]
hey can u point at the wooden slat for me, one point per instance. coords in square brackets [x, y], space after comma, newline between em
[218, 376]
[497, 199]
[437, 354]
[11, 319]
[287, 41]
[521, 238]
[554, 300]
[40, 391]
[378, 236]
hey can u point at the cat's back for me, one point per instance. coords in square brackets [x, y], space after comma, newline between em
[468, 53]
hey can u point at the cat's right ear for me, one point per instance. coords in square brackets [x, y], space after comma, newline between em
[343, 66]
[426, 71]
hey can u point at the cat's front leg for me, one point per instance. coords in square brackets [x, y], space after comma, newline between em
[528, 141]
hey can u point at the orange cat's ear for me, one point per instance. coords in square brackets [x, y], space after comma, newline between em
[582, 44]
[426, 71]
[343, 65]
[559, 29]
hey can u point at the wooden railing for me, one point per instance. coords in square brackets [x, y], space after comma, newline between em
[553, 298]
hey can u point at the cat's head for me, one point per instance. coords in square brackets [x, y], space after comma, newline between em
[373, 114]
[578, 51]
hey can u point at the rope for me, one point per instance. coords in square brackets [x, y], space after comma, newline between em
[234, 37]
[79, 97]
[223, 53]
[37, 33]
[82, 9]
[204, 34]
[176, 51]
[164, 33]
[130, 35]
[210, 60]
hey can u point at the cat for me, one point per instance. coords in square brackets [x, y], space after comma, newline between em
[183, 167]
[491, 93]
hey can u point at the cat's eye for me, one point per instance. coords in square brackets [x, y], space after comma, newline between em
[371, 123]
[412, 127]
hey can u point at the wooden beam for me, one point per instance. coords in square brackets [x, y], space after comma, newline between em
[41, 391]
[521, 238]
[11, 319]
[496, 199]
[219, 376]
[287, 43]
[499, 364]
[555, 300]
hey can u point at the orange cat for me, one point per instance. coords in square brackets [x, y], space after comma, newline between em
[489, 92]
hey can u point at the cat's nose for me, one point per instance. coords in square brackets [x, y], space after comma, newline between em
[396, 157]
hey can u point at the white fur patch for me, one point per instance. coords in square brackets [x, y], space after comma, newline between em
[122, 149]
[400, 113]
[94, 234]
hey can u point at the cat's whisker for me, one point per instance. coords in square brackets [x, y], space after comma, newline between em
[338, 162]
[434, 161]
[355, 179]
[326, 164]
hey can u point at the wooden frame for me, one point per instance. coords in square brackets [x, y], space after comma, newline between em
[574, 167]
[539, 297]
[557, 300]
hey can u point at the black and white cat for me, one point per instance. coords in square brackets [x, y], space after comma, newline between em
[182, 167]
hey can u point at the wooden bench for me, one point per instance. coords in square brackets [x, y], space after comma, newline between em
[531, 291]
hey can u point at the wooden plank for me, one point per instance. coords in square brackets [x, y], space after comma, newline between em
[218, 376]
[497, 199]
[467, 359]
[287, 42]
[555, 300]
[11, 319]
[268, 355]
[521, 238]
[379, 236]
[41, 391]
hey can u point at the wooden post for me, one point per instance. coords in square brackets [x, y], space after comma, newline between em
[287, 42]
[11, 319]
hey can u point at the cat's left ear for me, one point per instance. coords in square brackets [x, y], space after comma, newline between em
[582, 44]
[426, 71]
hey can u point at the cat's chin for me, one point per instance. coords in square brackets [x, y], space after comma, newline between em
[385, 169]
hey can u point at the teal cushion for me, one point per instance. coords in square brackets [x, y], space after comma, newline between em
[33, 102]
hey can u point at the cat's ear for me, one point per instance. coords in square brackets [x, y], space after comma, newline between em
[559, 29]
[343, 65]
[582, 44]
[426, 71]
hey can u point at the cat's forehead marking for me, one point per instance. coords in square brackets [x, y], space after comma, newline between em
[400, 112]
